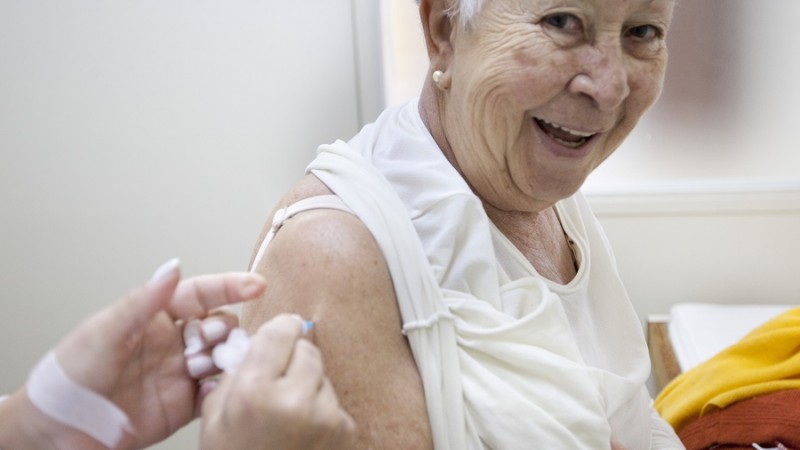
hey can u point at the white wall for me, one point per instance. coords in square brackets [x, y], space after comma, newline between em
[704, 242]
[135, 131]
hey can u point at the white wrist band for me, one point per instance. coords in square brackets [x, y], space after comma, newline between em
[62, 399]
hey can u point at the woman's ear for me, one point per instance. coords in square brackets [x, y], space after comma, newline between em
[438, 29]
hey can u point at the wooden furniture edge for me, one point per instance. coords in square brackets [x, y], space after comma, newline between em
[662, 357]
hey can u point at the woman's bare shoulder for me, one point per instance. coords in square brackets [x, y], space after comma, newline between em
[326, 266]
[316, 249]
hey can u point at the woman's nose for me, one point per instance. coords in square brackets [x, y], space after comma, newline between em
[604, 78]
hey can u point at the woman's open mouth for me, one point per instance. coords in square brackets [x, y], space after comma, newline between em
[563, 135]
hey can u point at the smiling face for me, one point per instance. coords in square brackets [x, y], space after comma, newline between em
[537, 93]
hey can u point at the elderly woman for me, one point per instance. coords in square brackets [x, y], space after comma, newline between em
[464, 294]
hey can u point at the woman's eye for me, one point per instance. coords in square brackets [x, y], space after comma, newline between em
[645, 40]
[645, 32]
[564, 21]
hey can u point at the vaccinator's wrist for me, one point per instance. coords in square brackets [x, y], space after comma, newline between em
[24, 426]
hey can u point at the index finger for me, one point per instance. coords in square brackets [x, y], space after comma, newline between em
[196, 296]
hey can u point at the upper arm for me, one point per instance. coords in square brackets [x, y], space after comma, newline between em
[326, 266]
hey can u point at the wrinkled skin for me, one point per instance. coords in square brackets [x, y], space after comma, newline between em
[593, 66]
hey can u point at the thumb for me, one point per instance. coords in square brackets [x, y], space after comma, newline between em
[105, 335]
[132, 314]
[128, 317]
[208, 393]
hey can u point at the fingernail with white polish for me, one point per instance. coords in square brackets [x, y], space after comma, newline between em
[214, 330]
[165, 269]
[252, 288]
[191, 338]
[199, 365]
[207, 385]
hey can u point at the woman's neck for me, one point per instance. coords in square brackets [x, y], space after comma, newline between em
[541, 238]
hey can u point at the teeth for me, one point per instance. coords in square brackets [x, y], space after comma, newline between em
[568, 130]
[569, 144]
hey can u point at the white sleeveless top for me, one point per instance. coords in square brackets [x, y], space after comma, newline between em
[508, 359]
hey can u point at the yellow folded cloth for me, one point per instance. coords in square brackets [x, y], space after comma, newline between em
[764, 361]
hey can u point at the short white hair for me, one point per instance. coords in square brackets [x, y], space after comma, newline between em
[466, 10]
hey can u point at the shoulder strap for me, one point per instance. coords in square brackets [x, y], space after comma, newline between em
[329, 201]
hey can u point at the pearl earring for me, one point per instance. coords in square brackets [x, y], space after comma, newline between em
[437, 77]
